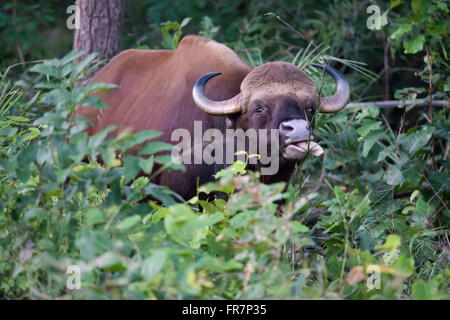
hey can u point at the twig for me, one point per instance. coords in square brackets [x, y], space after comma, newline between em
[322, 175]
[21, 64]
[430, 88]
[396, 103]
[386, 69]
[334, 177]
[430, 104]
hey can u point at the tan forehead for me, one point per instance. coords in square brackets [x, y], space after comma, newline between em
[267, 91]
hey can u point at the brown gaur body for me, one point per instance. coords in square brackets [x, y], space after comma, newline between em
[155, 91]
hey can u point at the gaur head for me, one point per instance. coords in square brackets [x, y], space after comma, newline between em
[277, 95]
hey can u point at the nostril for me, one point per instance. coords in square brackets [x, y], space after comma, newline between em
[295, 130]
[287, 128]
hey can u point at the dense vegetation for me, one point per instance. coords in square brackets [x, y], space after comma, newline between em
[377, 200]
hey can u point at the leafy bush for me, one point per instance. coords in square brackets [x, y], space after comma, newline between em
[377, 200]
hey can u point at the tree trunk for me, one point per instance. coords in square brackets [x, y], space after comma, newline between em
[100, 26]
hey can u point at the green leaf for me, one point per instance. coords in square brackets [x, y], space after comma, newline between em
[440, 180]
[208, 206]
[28, 155]
[154, 147]
[34, 213]
[395, 3]
[96, 140]
[393, 241]
[298, 227]
[130, 168]
[146, 164]
[237, 168]
[97, 87]
[421, 214]
[393, 176]
[129, 222]
[108, 156]
[85, 63]
[45, 244]
[94, 101]
[404, 266]
[443, 128]
[138, 138]
[94, 216]
[135, 237]
[159, 214]
[83, 95]
[367, 126]
[184, 226]
[32, 133]
[417, 140]
[71, 56]
[110, 261]
[170, 41]
[79, 143]
[46, 69]
[414, 195]
[18, 119]
[407, 209]
[422, 290]
[405, 27]
[59, 98]
[185, 22]
[414, 45]
[370, 140]
[154, 264]
[423, 206]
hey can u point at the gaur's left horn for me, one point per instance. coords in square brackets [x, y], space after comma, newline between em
[210, 106]
[340, 98]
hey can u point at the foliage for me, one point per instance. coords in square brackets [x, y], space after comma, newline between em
[57, 210]
[48, 189]
[32, 30]
[170, 41]
[377, 201]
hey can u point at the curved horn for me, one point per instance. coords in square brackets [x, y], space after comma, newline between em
[340, 98]
[210, 106]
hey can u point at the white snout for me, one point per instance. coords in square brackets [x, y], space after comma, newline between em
[299, 139]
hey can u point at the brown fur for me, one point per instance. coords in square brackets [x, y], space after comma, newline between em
[277, 73]
[155, 92]
[275, 78]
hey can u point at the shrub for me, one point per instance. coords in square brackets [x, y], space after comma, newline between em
[376, 202]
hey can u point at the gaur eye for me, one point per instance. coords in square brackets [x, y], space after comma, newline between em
[311, 110]
[259, 109]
